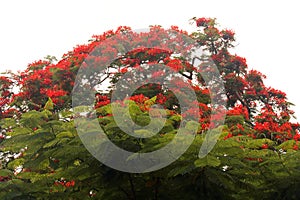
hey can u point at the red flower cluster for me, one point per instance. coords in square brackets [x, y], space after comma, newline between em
[265, 146]
[101, 100]
[229, 135]
[123, 70]
[4, 178]
[227, 34]
[140, 98]
[203, 21]
[239, 61]
[3, 101]
[65, 183]
[297, 136]
[161, 99]
[174, 64]
[296, 147]
[267, 123]
[254, 159]
[54, 94]
[239, 110]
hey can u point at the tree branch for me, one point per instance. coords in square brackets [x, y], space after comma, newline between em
[132, 187]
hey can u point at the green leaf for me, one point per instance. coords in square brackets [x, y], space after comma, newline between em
[134, 109]
[257, 143]
[20, 131]
[7, 122]
[143, 132]
[47, 113]
[49, 104]
[287, 145]
[192, 125]
[51, 143]
[176, 118]
[6, 172]
[104, 110]
[33, 119]
[207, 161]
[44, 164]
[32, 176]
[151, 101]
[182, 170]
[66, 113]
[15, 163]
[142, 120]
[64, 134]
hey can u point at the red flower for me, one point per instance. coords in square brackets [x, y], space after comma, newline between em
[228, 136]
[240, 127]
[72, 183]
[264, 146]
[228, 34]
[139, 98]
[175, 64]
[297, 136]
[239, 110]
[203, 21]
[239, 61]
[295, 147]
[161, 99]
[4, 178]
[101, 101]
[123, 70]
[64, 183]
[68, 184]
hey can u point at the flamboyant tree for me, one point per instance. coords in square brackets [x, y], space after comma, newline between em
[45, 158]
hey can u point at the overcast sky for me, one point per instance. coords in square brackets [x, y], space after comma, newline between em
[266, 31]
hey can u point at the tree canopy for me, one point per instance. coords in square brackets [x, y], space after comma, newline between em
[42, 154]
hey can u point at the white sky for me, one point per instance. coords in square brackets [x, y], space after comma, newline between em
[266, 31]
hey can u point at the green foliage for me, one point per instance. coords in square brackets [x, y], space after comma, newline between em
[236, 168]
[209, 161]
